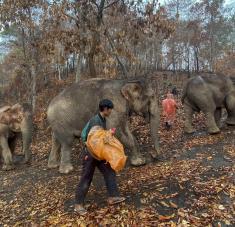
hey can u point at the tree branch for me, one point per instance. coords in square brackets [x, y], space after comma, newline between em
[94, 2]
[109, 5]
[107, 34]
[70, 16]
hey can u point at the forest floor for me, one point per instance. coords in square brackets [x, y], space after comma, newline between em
[191, 185]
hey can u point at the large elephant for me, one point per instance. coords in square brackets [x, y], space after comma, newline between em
[209, 93]
[15, 120]
[69, 111]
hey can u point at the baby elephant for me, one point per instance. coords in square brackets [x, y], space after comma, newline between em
[15, 120]
[209, 93]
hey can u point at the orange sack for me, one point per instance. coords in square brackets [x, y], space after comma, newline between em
[104, 146]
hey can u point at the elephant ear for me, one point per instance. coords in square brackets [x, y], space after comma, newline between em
[131, 90]
[5, 115]
[4, 109]
[16, 108]
[16, 113]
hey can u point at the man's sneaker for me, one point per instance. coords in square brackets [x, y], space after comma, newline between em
[115, 200]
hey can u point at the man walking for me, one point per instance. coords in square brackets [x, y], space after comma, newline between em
[174, 92]
[169, 110]
[89, 164]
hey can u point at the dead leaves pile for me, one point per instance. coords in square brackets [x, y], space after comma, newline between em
[194, 188]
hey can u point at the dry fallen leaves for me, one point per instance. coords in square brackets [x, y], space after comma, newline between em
[181, 191]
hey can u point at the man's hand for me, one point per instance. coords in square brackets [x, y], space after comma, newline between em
[113, 130]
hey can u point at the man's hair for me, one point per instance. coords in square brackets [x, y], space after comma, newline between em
[105, 103]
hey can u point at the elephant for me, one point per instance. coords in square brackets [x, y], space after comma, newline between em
[15, 120]
[69, 112]
[209, 93]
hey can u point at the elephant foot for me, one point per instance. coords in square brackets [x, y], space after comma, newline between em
[138, 161]
[8, 167]
[27, 160]
[215, 130]
[219, 125]
[189, 130]
[53, 164]
[230, 122]
[155, 154]
[65, 168]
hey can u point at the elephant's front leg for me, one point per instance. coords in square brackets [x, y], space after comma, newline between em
[26, 129]
[230, 107]
[188, 125]
[218, 115]
[65, 163]
[26, 147]
[12, 141]
[6, 153]
[211, 124]
[130, 142]
[53, 160]
[154, 127]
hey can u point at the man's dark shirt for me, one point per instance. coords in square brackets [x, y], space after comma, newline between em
[97, 120]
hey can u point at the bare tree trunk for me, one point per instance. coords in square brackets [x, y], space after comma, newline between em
[59, 72]
[159, 56]
[95, 40]
[211, 41]
[67, 68]
[196, 59]
[188, 61]
[23, 44]
[79, 68]
[34, 85]
[123, 68]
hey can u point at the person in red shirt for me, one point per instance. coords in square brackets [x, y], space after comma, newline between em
[169, 110]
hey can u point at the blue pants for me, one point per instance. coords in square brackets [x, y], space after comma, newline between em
[88, 168]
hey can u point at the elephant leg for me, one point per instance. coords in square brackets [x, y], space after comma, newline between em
[26, 130]
[65, 163]
[6, 153]
[53, 160]
[188, 125]
[130, 141]
[12, 143]
[218, 115]
[211, 124]
[230, 107]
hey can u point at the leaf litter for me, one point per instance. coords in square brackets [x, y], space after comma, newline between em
[191, 185]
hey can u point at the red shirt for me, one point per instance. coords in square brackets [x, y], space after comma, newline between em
[169, 106]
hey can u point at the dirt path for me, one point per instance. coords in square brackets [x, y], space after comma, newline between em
[192, 185]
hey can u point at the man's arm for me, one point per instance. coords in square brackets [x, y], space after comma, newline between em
[95, 121]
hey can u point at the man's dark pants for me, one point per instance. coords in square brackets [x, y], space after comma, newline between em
[88, 168]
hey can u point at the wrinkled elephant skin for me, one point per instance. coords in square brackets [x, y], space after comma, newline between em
[209, 93]
[69, 111]
[14, 120]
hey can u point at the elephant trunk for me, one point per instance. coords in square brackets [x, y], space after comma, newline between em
[27, 130]
[154, 125]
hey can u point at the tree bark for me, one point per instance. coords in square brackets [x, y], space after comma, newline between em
[79, 68]
[95, 40]
[34, 85]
